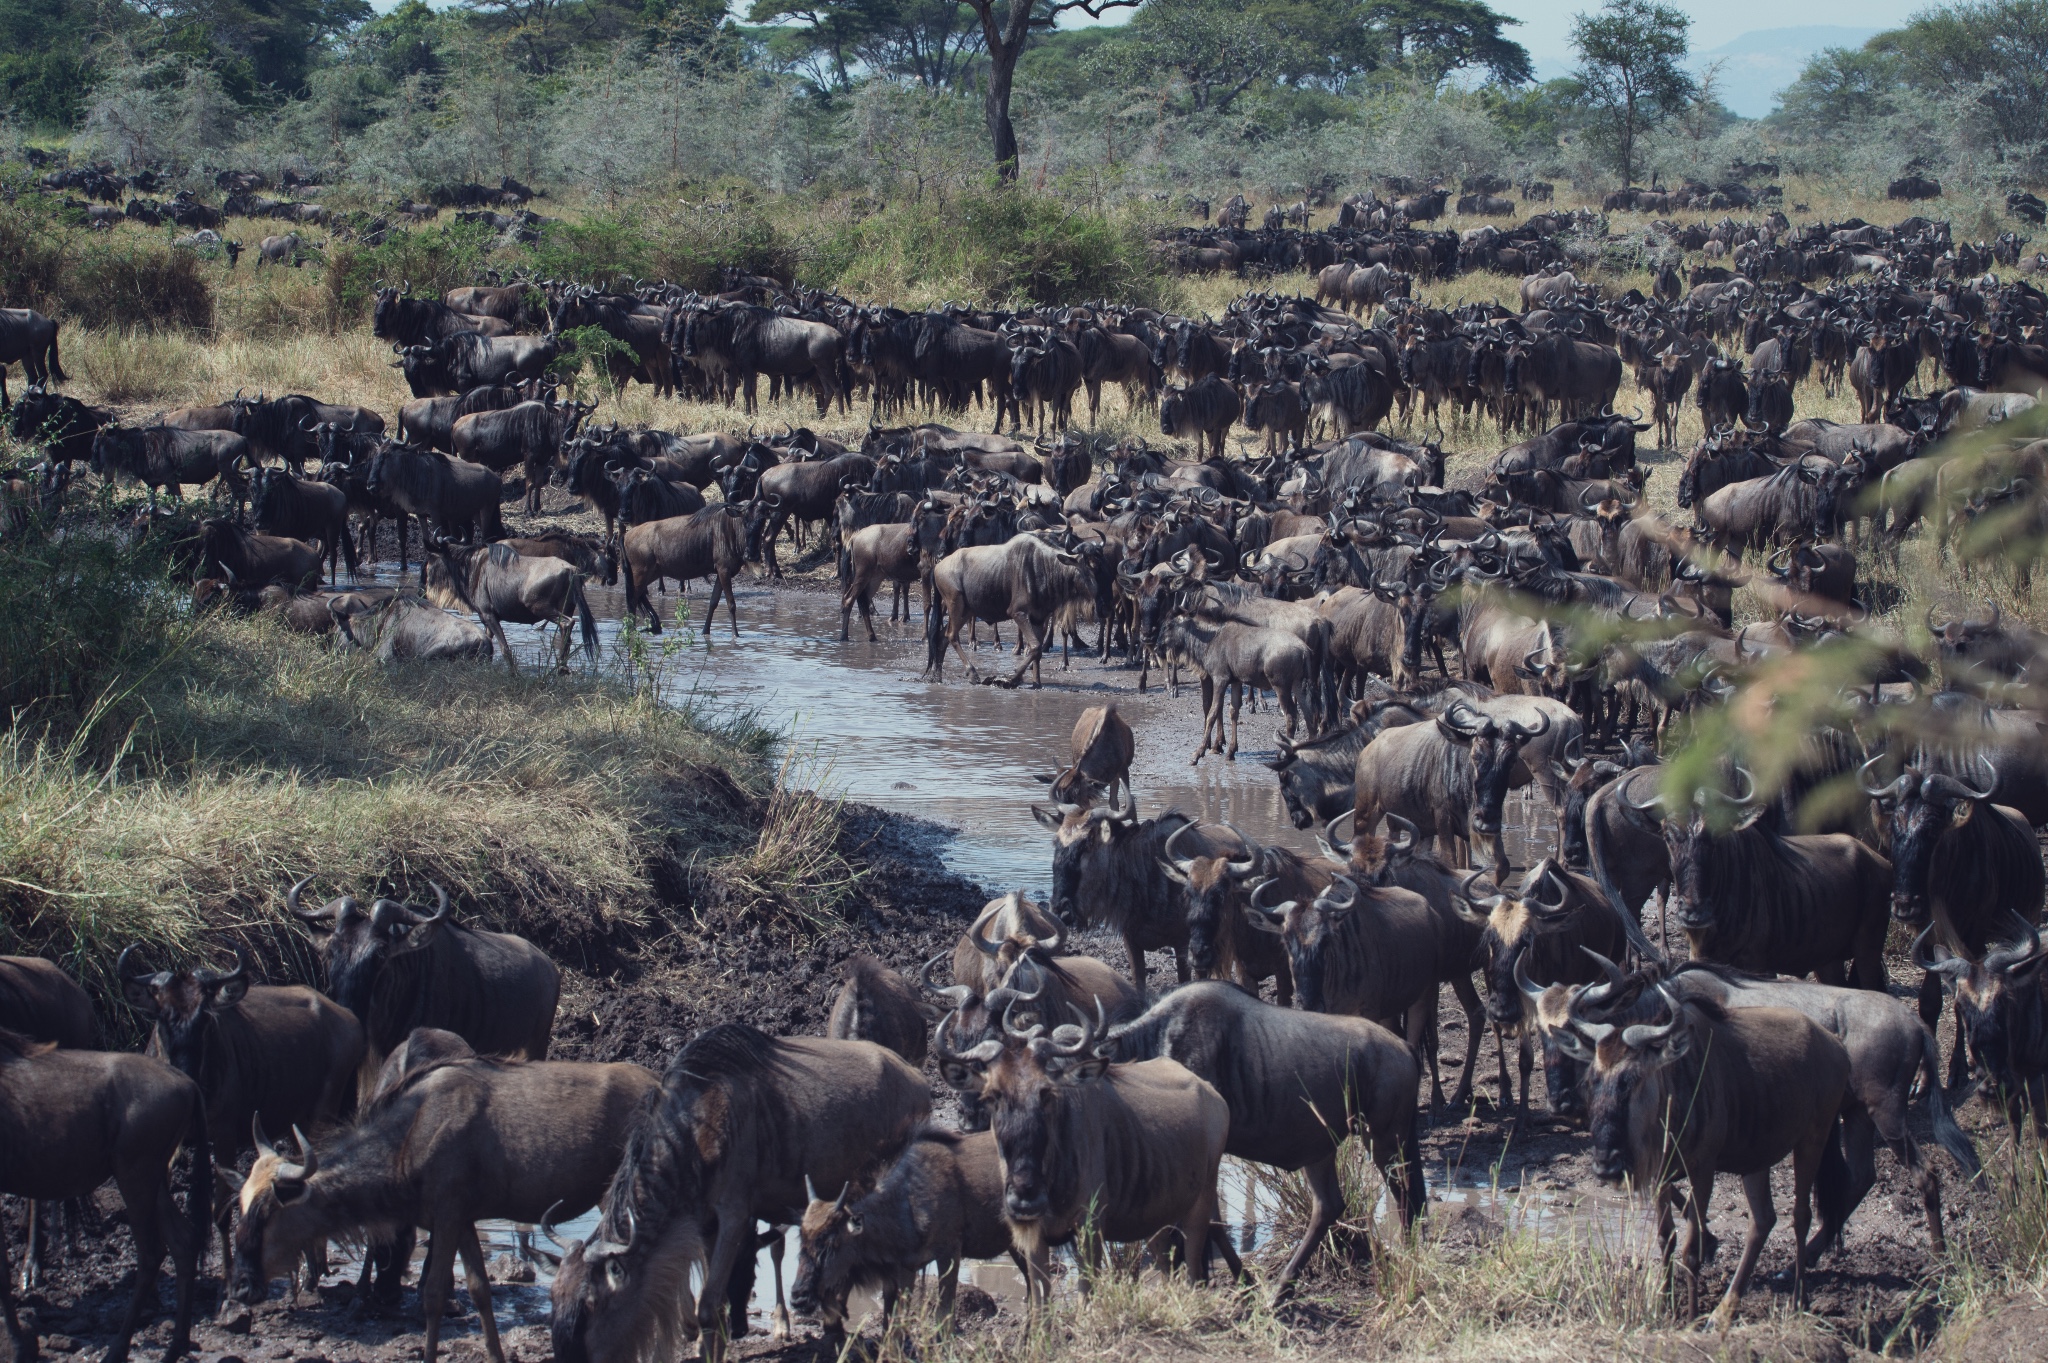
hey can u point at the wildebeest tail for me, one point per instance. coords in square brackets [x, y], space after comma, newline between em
[935, 638]
[584, 618]
[845, 564]
[1952, 1137]
[57, 374]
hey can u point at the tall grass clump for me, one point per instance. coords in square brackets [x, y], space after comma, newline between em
[128, 280]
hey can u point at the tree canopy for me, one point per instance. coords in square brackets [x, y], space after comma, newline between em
[1631, 72]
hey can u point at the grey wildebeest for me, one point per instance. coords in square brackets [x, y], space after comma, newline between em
[404, 628]
[1203, 412]
[499, 583]
[709, 543]
[804, 491]
[451, 1138]
[398, 969]
[29, 339]
[1296, 1084]
[939, 1201]
[1761, 900]
[467, 360]
[747, 342]
[743, 1123]
[1102, 747]
[1104, 1152]
[70, 1121]
[530, 436]
[1026, 580]
[1960, 862]
[1706, 1090]
[869, 557]
[1232, 657]
[164, 456]
[1448, 778]
[877, 1004]
[458, 499]
[304, 509]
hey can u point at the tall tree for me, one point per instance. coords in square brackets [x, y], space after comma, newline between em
[929, 41]
[1629, 55]
[1006, 26]
[1433, 38]
[1990, 54]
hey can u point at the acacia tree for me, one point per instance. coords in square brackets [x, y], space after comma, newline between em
[1629, 55]
[1006, 26]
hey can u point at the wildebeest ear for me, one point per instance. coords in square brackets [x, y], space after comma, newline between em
[1046, 817]
[1081, 1070]
[1963, 810]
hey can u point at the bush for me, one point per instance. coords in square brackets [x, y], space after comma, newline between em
[997, 245]
[123, 280]
[686, 244]
[430, 259]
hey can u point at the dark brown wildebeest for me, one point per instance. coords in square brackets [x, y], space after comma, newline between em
[1202, 412]
[1114, 357]
[287, 428]
[1107, 868]
[644, 495]
[431, 421]
[869, 557]
[281, 1056]
[747, 342]
[29, 339]
[459, 499]
[1705, 1090]
[587, 554]
[742, 1124]
[805, 491]
[1760, 900]
[252, 560]
[1221, 943]
[1968, 866]
[523, 305]
[398, 969]
[1541, 935]
[71, 1120]
[877, 1004]
[39, 1001]
[531, 436]
[447, 1142]
[1102, 748]
[164, 456]
[467, 360]
[304, 509]
[499, 583]
[1025, 580]
[1448, 778]
[1122, 1151]
[1296, 1084]
[2004, 1007]
[710, 543]
[940, 1201]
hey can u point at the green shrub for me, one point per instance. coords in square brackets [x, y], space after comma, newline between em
[430, 259]
[685, 244]
[997, 245]
[123, 280]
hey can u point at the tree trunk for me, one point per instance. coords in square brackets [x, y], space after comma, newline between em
[995, 106]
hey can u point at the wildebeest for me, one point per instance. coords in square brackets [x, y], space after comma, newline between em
[868, 558]
[304, 509]
[64, 427]
[253, 560]
[449, 1140]
[1025, 580]
[1232, 657]
[748, 341]
[467, 360]
[499, 584]
[164, 456]
[1296, 1084]
[1706, 1090]
[398, 969]
[1202, 411]
[40, 1002]
[802, 491]
[288, 249]
[1448, 777]
[741, 1125]
[402, 627]
[1221, 943]
[1102, 746]
[29, 339]
[431, 421]
[287, 428]
[2003, 1008]
[1128, 1150]
[71, 1120]
[877, 1004]
[459, 499]
[711, 543]
[530, 435]
[414, 321]
[940, 1200]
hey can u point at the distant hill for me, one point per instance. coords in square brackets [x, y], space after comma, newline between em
[1757, 65]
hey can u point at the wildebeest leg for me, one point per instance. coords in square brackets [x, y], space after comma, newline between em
[1475, 1024]
[479, 1283]
[436, 1280]
[1959, 1055]
[1763, 1215]
[496, 629]
[1326, 1208]
[735, 1237]
[774, 1242]
[24, 1344]
[146, 1193]
[1691, 1253]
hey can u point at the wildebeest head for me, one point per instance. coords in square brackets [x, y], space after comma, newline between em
[1083, 839]
[1307, 931]
[1542, 904]
[2003, 1007]
[360, 944]
[1212, 884]
[836, 1256]
[1633, 1090]
[182, 1003]
[1495, 745]
[278, 1221]
[1689, 838]
[1918, 807]
[1581, 783]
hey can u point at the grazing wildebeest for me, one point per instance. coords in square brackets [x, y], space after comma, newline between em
[458, 499]
[2004, 1009]
[1202, 411]
[711, 543]
[877, 1004]
[742, 1124]
[253, 560]
[29, 339]
[1102, 747]
[1123, 1150]
[404, 628]
[449, 1140]
[1026, 580]
[1757, 899]
[939, 1201]
[288, 249]
[397, 969]
[1708, 1090]
[1296, 1084]
[1964, 864]
[164, 456]
[499, 583]
[71, 1120]
[467, 360]
[304, 509]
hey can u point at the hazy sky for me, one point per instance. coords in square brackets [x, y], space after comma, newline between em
[1547, 24]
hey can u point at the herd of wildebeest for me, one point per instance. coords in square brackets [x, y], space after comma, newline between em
[1430, 648]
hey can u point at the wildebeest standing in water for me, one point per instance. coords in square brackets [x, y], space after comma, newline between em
[1103, 745]
[460, 500]
[450, 1138]
[71, 1120]
[711, 543]
[1025, 580]
[499, 583]
[743, 1123]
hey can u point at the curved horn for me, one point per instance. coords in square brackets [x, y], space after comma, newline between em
[1182, 864]
[1990, 778]
[1924, 956]
[1877, 792]
[1643, 1034]
[322, 914]
[1241, 868]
